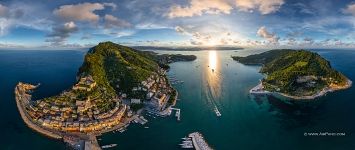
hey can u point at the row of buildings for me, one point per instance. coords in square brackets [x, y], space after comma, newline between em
[158, 89]
[67, 112]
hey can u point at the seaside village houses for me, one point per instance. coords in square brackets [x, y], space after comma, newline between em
[78, 117]
[157, 91]
[83, 116]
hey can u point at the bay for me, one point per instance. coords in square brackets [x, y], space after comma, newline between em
[247, 122]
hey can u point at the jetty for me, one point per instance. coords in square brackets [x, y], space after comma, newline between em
[199, 142]
[177, 113]
[259, 89]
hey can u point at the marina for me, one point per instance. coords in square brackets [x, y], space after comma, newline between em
[195, 141]
[140, 120]
[199, 142]
[186, 143]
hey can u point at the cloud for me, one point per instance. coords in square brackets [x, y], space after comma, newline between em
[114, 22]
[308, 41]
[3, 11]
[180, 30]
[350, 9]
[291, 41]
[61, 33]
[263, 6]
[113, 5]
[145, 26]
[199, 7]
[79, 12]
[194, 42]
[8, 18]
[271, 37]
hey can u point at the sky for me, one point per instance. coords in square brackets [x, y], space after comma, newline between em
[67, 24]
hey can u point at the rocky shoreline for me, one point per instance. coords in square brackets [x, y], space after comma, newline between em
[259, 90]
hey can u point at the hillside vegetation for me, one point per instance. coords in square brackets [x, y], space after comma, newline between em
[111, 64]
[295, 72]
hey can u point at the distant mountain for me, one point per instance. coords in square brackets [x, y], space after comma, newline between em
[296, 72]
[189, 48]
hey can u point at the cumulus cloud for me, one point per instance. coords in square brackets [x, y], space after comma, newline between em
[114, 22]
[263, 6]
[350, 9]
[81, 12]
[271, 37]
[8, 18]
[113, 5]
[3, 11]
[61, 33]
[199, 7]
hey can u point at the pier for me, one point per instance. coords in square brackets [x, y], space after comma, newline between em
[177, 114]
[199, 142]
[259, 89]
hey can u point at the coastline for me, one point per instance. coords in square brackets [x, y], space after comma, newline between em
[73, 139]
[20, 96]
[259, 90]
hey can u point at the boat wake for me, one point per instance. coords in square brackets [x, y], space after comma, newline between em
[212, 91]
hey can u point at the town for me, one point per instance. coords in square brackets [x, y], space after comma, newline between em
[80, 109]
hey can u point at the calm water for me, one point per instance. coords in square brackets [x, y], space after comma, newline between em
[247, 122]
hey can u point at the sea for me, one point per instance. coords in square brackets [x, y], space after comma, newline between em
[213, 81]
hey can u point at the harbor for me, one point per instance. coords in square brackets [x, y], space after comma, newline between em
[195, 141]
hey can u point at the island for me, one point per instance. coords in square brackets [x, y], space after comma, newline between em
[114, 85]
[297, 74]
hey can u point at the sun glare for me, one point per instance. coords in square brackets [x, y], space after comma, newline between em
[212, 60]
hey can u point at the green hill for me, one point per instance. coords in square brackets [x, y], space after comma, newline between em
[111, 64]
[110, 70]
[295, 72]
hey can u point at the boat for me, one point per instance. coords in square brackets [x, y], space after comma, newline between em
[217, 112]
[109, 146]
[146, 127]
[185, 138]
